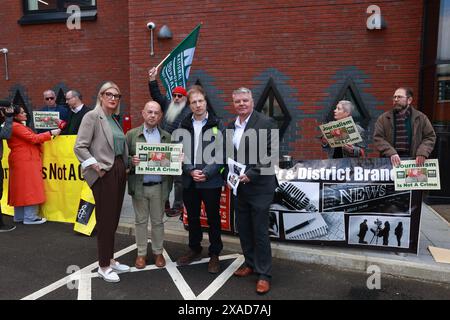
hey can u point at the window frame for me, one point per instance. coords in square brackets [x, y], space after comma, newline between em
[359, 103]
[88, 13]
[271, 92]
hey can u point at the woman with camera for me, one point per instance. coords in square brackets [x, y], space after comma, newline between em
[26, 185]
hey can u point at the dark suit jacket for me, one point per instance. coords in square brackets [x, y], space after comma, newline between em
[74, 121]
[249, 151]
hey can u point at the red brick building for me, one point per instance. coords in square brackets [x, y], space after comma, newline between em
[298, 57]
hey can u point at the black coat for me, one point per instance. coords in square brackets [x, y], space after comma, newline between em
[210, 167]
[259, 183]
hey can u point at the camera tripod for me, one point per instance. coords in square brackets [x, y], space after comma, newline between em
[375, 235]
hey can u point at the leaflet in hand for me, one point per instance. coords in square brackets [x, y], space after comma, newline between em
[235, 170]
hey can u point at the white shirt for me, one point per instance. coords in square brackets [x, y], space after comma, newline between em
[239, 131]
[198, 125]
[77, 109]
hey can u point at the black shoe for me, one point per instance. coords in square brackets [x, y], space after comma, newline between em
[6, 228]
[174, 212]
[189, 257]
[214, 264]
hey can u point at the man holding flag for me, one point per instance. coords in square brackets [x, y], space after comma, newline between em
[174, 76]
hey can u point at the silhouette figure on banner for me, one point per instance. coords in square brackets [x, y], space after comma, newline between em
[363, 228]
[399, 232]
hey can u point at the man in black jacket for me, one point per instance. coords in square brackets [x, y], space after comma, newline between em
[202, 179]
[254, 139]
[175, 110]
[77, 111]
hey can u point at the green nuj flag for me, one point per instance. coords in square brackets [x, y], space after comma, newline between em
[175, 69]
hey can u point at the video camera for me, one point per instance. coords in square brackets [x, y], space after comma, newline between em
[6, 104]
[378, 223]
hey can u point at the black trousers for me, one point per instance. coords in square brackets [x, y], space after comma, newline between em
[108, 191]
[192, 198]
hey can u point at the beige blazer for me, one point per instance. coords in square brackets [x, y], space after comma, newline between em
[95, 144]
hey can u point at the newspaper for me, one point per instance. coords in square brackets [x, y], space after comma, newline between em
[341, 132]
[409, 176]
[235, 170]
[46, 119]
[160, 158]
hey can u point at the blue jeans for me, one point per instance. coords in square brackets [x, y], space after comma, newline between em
[26, 213]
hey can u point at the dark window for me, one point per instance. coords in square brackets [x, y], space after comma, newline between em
[443, 54]
[19, 101]
[61, 97]
[350, 92]
[49, 11]
[272, 105]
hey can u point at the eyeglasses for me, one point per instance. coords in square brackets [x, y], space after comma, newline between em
[177, 95]
[112, 96]
[398, 97]
[50, 98]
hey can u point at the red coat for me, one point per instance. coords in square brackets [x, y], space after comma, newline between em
[26, 185]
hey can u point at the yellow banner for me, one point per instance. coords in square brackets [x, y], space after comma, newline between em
[62, 180]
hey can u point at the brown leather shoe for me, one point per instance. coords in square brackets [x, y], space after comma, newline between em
[189, 257]
[243, 272]
[214, 264]
[160, 262]
[262, 286]
[140, 262]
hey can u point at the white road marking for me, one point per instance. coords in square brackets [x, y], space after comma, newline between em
[222, 278]
[85, 275]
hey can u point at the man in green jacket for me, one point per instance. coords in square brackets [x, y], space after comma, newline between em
[404, 131]
[148, 191]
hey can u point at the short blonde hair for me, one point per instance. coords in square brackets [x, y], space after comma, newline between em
[107, 85]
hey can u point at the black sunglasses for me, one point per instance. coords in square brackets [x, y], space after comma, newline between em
[50, 98]
[177, 95]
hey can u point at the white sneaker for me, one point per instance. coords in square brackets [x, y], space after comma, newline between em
[36, 221]
[109, 275]
[119, 268]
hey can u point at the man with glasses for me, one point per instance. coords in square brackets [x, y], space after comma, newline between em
[77, 111]
[175, 110]
[404, 131]
[50, 105]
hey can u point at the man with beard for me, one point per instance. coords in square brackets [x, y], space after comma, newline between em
[404, 131]
[175, 111]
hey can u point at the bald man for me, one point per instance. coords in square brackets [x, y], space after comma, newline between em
[148, 192]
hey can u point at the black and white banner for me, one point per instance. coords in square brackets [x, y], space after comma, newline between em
[345, 202]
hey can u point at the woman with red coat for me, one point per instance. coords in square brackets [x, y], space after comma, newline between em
[26, 185]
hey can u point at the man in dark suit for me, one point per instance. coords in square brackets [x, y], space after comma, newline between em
[77, 111]
[254, 139]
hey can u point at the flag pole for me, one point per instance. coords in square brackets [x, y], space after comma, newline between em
[159, 65]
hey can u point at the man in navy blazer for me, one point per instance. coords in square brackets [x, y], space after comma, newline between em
[254, 139]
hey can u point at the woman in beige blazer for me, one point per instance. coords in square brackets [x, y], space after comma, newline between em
[102, 150]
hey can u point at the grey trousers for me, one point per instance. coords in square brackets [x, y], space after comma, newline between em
[150, 205]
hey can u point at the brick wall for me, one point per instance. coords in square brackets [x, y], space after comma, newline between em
[52, 56]
[310, 48]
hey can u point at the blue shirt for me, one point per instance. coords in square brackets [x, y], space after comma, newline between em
[152, 136]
